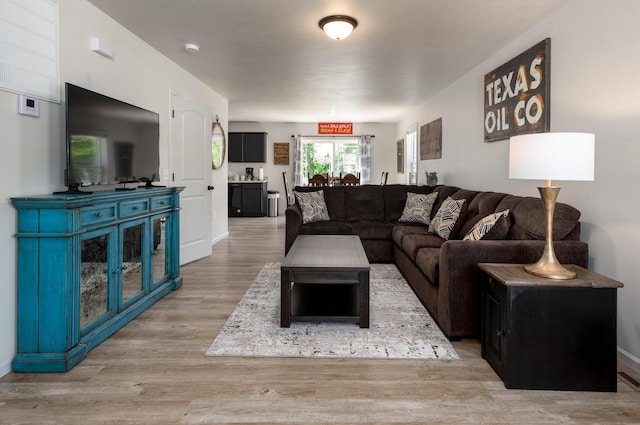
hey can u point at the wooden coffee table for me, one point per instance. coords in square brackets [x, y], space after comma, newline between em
[325, 278]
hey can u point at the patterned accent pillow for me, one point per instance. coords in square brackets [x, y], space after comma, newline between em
[418, 207]
[482, 227]
[313, 206]
[446, 217]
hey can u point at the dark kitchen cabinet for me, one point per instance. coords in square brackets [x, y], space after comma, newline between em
[248, 199]
[247, 147]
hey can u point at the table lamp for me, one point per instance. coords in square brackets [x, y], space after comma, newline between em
[551, 156]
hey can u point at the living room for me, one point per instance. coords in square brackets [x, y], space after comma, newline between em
[592, 55]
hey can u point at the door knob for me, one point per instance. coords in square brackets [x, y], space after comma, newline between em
[210, 187]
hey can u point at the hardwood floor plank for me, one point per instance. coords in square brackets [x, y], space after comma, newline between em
[153, 371]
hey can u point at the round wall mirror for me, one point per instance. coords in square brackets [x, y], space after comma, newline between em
[218, 145]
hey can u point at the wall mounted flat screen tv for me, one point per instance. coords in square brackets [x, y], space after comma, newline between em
[109, 141]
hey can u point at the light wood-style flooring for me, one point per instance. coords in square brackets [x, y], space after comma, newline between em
[153, 370]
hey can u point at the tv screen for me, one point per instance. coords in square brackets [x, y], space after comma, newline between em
[109, 141]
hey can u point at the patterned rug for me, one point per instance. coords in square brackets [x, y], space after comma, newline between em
[400, 327]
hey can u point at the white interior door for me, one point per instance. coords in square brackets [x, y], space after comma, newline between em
[191, 163]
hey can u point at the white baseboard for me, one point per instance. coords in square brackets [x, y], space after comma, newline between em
[5, 367]
[629, 359]
[219, 238]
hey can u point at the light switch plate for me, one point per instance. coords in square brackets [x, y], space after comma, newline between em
[28, 106]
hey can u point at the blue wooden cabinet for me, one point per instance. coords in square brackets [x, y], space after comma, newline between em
[87, 265]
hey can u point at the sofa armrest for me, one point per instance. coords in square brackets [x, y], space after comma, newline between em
[293, 220]
[459, 276]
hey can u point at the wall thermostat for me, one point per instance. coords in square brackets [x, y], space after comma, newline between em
[28, 106]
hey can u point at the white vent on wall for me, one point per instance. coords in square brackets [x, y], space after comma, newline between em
[29, 48]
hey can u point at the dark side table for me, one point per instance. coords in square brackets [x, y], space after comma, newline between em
[549, 334]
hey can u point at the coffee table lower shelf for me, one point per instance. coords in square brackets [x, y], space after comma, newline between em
[325, 302]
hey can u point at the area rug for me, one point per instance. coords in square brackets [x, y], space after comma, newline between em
[400, 326]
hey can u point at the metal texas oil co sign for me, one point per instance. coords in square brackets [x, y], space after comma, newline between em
[516, 95]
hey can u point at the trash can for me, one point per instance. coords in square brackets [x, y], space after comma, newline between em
[272, 203]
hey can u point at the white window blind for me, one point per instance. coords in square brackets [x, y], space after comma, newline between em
[29, 48]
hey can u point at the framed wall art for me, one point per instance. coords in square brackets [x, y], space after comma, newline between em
[517, 95]
[431, 140]
[281, 153]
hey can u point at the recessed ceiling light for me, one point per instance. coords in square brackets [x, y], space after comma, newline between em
[191, 47]
[338, 27]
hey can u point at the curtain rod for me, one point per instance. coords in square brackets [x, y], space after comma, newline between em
[334, 135]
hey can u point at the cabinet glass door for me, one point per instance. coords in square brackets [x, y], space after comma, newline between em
[131, 268]
[94, 278]
[159, 269]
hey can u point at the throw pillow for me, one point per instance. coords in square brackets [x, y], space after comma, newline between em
[312, 206]
[482, 229]
[446, 217]
[417, 208]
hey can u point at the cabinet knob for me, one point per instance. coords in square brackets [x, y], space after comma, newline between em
[500, 332]
[99, 214]
[210, 187]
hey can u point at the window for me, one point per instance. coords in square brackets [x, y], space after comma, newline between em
[330, 156]
[29, 42]
[412, 156]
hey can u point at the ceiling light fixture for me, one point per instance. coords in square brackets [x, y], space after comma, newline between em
[191, 47]
[338, 27]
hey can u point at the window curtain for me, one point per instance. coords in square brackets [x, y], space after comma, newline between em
[297, 161]
[364, 152]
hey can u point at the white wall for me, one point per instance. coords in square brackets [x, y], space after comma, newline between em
[593, 64]
[382, 149]
[34, 148]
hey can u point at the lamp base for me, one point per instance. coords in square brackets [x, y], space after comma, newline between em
[549, 270]
[548, 265]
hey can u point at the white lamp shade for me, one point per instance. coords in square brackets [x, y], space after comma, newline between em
[552, 156]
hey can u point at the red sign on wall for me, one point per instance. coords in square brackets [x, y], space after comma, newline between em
[335, 128]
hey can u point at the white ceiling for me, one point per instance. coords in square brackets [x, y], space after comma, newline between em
[272, 62]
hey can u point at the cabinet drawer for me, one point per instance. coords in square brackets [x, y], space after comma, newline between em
[128, 209]
[160, 203]
[90, 216]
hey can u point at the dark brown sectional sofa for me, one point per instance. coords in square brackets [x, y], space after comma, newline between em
[443, 273]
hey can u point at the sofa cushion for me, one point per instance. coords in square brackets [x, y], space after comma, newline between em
[483, 204]
[428, 261]
[333, 227]
[492, 227]
[443, 193]
[529, 219]
[333, 197]
[372, 229]
[312, 206]
[417, 208]
[395, 197]
[400, 230]
[364, 203]
[446, 217]
[412, 243]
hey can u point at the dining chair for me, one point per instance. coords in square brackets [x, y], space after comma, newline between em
[318, 180]
[384, 177]
[287, 190]
[350, 180]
